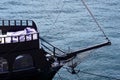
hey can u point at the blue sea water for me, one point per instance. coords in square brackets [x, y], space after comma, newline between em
[67, 24]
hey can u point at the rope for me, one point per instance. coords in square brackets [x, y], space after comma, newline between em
[99, 75]
[95, 19]
[78, 76]
[59, 76]
[58, 14]
[108, 77]
[54, 22]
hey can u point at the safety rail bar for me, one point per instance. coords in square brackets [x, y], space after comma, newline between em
[53, 50]
[32, 36]
[16, 22]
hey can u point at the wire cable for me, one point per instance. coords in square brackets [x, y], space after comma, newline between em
[58, 14]
[59, 76]
[99, 75]
[83, 1]
[108, 77]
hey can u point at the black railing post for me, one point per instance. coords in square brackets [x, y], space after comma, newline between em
[20, 22]
[26, 22]
[18, 38]
[3, 23]
[37, 35]
[8, 22]
[15, 22]
[31, 36]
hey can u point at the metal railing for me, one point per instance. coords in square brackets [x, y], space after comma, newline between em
[19, 38]
[16, 22]
[50, 48]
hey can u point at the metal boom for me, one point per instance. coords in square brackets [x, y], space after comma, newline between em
[72, 54]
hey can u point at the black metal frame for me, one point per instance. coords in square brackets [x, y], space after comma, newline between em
[53, 50]
[15, 25]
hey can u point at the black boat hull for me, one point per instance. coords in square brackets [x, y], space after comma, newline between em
[30, 74]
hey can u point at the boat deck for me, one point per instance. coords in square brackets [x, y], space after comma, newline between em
[18, 32]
